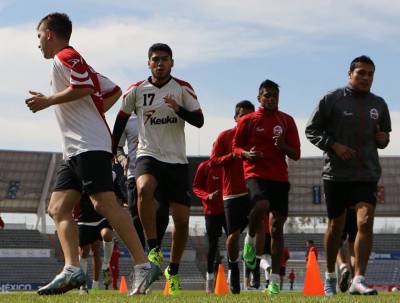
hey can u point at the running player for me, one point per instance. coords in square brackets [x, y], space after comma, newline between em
[264, 139]
[236, 201]
[78, 104]
[207, 185]
[162, 104]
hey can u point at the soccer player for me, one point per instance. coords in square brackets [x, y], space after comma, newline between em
[86, 140]
[236, 202]
[263, 140]
[349, 124]
[282, 272]
[310, 246]
[162, 104]
[207, 185]
[128, 162]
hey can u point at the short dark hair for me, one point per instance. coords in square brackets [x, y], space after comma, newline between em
[310, 241]
[160, 47]
[363, 59]
[58, 23]
[268, 84]
[243, 104]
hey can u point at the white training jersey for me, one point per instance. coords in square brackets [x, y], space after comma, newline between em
[82, 123]
[130, 136]
[161, 130]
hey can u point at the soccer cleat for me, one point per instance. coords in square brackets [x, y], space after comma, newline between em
[249, 255]
[63, 282]
[156, 256]
[344, 279]
[330, 287]
[143, 278]
[173, 282]
[106, 277]
[234, 278]
[273, 288]
[360, 287]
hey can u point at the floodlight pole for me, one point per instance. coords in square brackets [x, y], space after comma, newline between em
[41, 212]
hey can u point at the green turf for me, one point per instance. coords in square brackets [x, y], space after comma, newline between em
[191, 297]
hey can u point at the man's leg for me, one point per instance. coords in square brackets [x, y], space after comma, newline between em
[180, 215]
[60, 209]
[146, 185]
[363, 243]
[95, 247]
[133, 209]
[106, 204]
[276, 222]
[232, 246]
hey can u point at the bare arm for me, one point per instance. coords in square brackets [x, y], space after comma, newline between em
[38, 101]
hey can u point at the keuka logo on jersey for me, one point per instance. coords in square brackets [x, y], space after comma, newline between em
[158, 121]
[166, 120]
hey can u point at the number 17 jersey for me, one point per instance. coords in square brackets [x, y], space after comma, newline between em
[161, 130]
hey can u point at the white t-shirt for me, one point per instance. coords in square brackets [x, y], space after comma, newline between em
[82, 123]
[161, 130]
[130, 136]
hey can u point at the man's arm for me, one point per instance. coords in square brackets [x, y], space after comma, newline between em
[194, 118]
[199, 187]
[38, 101]
[289, 142]
[110, 99]
[239, 143]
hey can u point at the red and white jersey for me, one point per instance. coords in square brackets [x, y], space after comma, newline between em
[207, 180]
[258, 130]
[82, 123]
[233, 176]
[161, 130]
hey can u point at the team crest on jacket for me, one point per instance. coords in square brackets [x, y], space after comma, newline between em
[374, 114]
[277, 130]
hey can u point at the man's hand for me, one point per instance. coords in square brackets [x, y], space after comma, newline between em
[381, 138]
[37, 102]
[252, 155]
[343, 152]
[170, 101]
[213, 195]
[279, 142]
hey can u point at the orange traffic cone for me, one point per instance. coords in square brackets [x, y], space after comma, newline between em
[313, 283]
[166, 288]
[221, 287]
[123, 288]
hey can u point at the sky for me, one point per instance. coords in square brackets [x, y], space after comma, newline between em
[225, 49]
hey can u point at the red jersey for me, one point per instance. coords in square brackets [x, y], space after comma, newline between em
[285, 256]
[232, 166]
[207, 180]
[257, 130]
[291, 276]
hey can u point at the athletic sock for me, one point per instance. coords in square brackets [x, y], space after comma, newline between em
[84, 264]
[71, 268]
[250, 240]
[107, 250]
[173, 268]
[152, 243]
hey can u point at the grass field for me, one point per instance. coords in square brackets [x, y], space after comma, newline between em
[190, 297]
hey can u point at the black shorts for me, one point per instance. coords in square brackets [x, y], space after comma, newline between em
[214, 225]
[267, 244]
[89, 234]
[282, 271]
[172, 178]
[89, 172]
[236, 213]
[350, 227]
[342, 195]
[277, 194]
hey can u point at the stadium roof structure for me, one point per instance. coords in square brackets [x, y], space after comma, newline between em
[27, 178]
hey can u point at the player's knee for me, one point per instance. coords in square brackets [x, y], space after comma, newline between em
[181, 222]
[365, 224]
[144, 192]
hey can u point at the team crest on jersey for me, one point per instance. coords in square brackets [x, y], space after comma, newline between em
[277, 131]
[74, 62]
[374, 114]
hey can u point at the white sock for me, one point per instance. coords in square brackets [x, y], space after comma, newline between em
[342, 266]
[234, 261]
[209, 276]
[107, 252]
[358, 278]
[71, 268]
[250, 240]
[143, 266]
[266, 273]
[95, 284]
[84, 264]
[330, 275]
[274, 278]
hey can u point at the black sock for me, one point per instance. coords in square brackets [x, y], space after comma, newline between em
[152, 243]
[173, 268]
